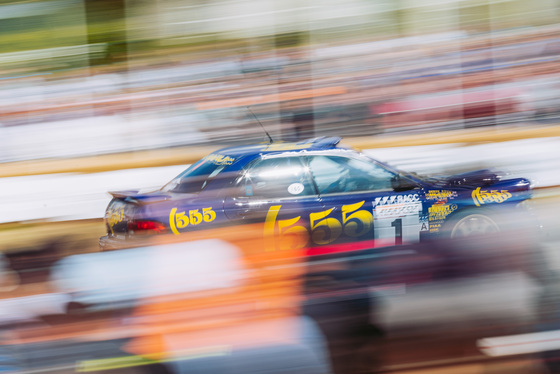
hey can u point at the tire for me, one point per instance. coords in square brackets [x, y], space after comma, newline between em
[472, 223]
[492, 241]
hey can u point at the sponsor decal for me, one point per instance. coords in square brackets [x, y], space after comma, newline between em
[396, 199]
[324, 229]
[440, 194]
[424, 223]
[295, 188]
[397, 210]
[220, 159]
[481, 197]
[440, 211]
[434, 227]
[180, 220]
[249, 190]
[114, 215]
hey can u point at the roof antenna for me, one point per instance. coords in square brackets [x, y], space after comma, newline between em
[266, 132]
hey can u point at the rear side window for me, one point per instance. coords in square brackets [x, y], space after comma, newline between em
[279, 177]
[199, 174]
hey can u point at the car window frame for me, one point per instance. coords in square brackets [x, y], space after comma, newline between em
[236, 184]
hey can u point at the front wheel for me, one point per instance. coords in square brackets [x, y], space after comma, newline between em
[469, 223]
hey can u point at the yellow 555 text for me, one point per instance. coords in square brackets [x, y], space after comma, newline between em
[288, 234]
[180, 220]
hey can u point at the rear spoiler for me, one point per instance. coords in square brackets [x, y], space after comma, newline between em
[134, 196]
[123, 194]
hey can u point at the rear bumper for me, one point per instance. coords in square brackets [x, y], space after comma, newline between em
[107, 243]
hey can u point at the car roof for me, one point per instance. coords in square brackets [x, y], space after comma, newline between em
[313, 144]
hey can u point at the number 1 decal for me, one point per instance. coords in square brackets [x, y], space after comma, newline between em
[398, 219]
[397, 224]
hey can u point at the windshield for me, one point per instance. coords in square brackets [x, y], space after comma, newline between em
[197, 176]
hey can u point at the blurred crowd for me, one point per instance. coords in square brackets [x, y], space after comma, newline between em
[444, 81]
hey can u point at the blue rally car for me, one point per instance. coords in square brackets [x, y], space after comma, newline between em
[317, 195]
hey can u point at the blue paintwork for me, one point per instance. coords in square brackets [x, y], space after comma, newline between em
[439, 198]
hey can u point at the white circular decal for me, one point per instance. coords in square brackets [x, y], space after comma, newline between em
[295, 188]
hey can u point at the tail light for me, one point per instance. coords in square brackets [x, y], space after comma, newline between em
[146, 227]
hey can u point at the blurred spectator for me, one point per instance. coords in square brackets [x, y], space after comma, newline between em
[201, 306]
[301, 117]
[9, 280]
[548, 310]
[343, 309]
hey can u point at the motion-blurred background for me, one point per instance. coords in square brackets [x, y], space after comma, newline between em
[87, 77]
[102, 95]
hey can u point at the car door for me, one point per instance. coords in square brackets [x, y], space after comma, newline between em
[276, 190]
[357, 196]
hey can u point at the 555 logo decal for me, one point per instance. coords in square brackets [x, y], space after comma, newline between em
[323, 228]
[180, 220]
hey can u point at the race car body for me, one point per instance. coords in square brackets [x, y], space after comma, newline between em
[313, 194]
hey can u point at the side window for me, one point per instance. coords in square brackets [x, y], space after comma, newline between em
[278, 178]
[336, 174]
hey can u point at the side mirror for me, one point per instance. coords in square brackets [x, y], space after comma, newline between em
[400, 183]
